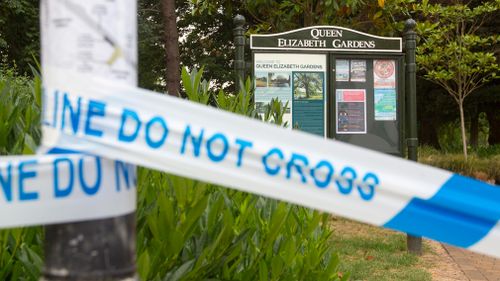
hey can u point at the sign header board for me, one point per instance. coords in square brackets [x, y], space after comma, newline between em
[326, 38]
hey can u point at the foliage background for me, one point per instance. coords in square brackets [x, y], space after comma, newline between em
[246, 235]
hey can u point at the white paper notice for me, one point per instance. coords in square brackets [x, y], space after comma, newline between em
[96, 37]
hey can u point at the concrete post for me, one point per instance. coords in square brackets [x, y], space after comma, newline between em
[93, 38]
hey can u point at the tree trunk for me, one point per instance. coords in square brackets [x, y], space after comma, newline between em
[493, 116]
[474, 127]
[306, 85]
[173, 63]
[462, 126]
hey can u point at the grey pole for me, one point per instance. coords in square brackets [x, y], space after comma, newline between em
[239, 43]
[91, 250]
[101, 249]
[414, 243]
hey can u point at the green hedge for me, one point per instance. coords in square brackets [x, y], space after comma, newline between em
[484, 164]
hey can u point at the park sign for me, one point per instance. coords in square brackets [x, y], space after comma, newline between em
[335, 82]
[326, 38]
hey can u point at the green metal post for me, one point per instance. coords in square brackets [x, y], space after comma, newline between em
[414, 243]
[239, 43]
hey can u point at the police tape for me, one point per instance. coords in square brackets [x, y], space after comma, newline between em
[200, 142]
[47, 189]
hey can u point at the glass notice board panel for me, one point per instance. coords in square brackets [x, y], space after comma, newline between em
[298, 81]
[367, 102]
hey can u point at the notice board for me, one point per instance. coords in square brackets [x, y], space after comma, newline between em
[336, 82]
[368, 105]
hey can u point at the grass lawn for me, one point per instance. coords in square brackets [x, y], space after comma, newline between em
[373, 253]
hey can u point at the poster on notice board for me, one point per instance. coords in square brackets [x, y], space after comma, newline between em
[351, 111]
[384, 74]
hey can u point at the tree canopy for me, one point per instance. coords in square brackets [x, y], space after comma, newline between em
[453, 53]
[206, 33]
[19, 34]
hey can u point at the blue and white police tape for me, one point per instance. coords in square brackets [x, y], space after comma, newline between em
[46, 189]
[192, 140]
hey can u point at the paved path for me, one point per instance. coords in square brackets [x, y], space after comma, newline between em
[476, 267]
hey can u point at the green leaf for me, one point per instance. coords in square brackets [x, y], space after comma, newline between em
[193, 216]
[186, 82]
[277, 266]
[143, 265]
[183, 270]
[263, 271]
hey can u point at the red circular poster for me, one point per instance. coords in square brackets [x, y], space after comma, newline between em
[384, 68]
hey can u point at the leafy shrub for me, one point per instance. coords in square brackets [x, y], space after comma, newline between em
[189, 230]
[450, 139]
[193, 231]
[20, 100]
[20, 253]
[483, 165]
[488, 151]
[450, 136]
[20, 248]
